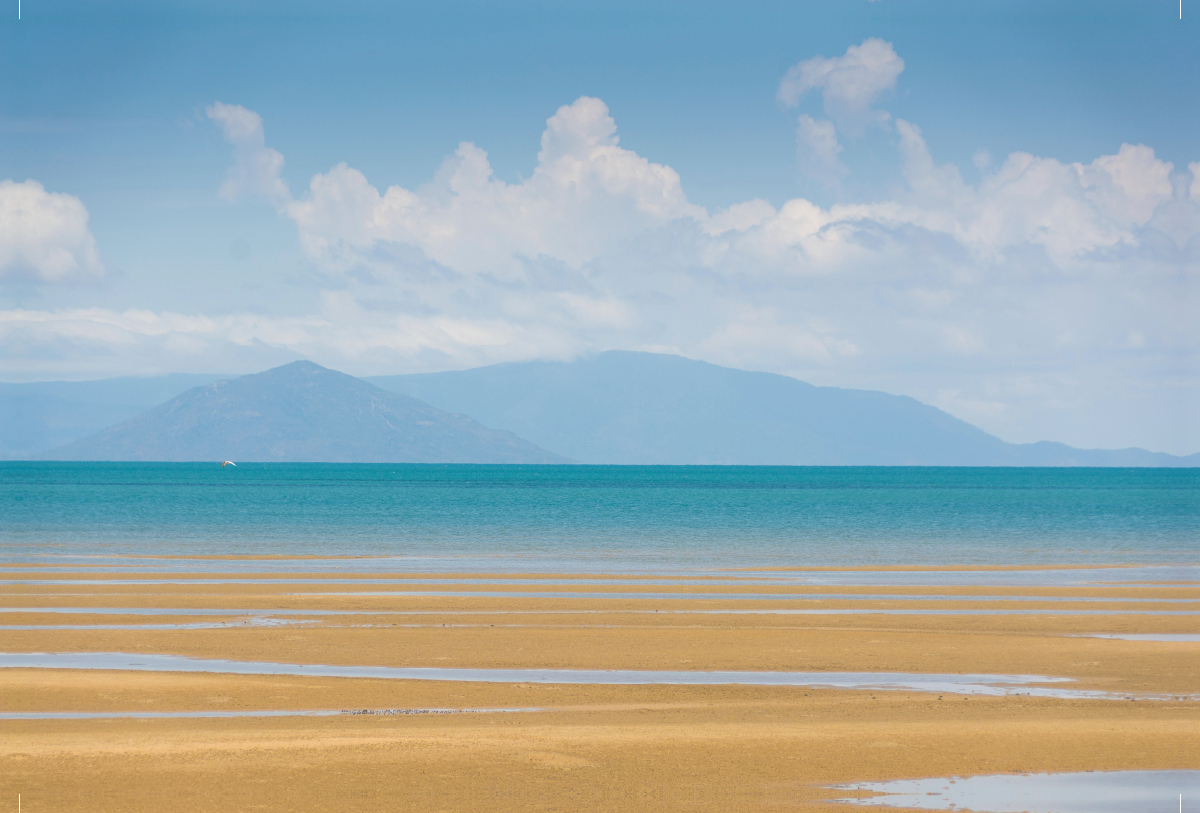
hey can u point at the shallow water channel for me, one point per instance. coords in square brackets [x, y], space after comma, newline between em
[171, 715]
[972, 684]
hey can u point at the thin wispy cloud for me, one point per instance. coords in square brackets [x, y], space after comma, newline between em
[818, 149]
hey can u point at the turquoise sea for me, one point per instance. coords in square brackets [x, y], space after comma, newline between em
[588, 518]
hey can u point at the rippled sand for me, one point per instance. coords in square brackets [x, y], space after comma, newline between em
[596, 747]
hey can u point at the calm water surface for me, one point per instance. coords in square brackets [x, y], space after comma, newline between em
[603, 517]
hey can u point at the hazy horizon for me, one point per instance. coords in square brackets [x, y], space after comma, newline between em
[642, 398]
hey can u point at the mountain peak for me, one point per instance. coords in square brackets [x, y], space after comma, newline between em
[297, 412]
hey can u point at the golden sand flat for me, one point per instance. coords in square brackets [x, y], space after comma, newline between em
[594, 747]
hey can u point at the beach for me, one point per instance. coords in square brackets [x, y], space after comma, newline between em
[637, 407]
[487, 744]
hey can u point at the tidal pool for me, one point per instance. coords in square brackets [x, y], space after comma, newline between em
[712, 596]
[199, 625]
[1145, 636]
[1086, 792]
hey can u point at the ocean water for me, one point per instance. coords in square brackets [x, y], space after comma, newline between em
[603, 518]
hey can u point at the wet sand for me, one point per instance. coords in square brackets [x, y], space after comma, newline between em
[584, 748]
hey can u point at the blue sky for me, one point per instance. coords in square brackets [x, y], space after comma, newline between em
[881, 235]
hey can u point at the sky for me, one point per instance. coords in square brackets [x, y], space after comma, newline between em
[992, 207]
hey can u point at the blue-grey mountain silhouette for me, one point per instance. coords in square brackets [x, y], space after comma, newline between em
[623, 407]
[615, 407]
[301, 412]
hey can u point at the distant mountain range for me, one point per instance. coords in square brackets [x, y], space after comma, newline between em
[301, 412]
[623, 407]
[616, 407]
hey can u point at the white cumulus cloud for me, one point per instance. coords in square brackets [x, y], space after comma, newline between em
[44, 236]
[257, 169]
[849, 84]
[585, 193]
[1067, 209]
